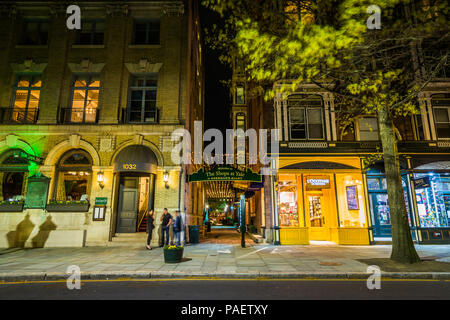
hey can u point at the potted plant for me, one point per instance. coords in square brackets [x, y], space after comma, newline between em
[68, 206]
[173, 254]
[11, 206]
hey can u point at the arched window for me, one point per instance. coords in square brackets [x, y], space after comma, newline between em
[13, 172]
[305, 117]
[74, 174]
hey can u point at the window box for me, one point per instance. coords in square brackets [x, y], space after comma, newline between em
[11, 206]
[68, 206]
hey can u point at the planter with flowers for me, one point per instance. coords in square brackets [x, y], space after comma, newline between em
[11, 206]
[68, 206]
[173, 254]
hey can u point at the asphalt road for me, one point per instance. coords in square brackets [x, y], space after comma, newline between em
[228, 290]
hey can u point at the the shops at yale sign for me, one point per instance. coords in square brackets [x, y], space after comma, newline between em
[225, 173]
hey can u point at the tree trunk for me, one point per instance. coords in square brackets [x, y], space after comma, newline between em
[402, 244]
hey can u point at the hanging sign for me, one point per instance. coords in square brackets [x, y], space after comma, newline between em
[225, 173]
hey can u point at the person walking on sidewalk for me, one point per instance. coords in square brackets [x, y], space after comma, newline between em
[150, 227]
[177, 228]
[166, 219]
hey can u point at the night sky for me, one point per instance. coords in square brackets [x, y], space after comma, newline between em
[217, 96]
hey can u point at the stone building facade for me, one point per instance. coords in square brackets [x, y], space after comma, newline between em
[94, 110]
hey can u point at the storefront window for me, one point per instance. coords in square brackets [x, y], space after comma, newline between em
[13, 172]
[74, 176]
[350, 200]
[433, 199]
[287, 187]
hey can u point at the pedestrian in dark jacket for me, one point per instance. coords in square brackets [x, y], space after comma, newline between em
[150, 227]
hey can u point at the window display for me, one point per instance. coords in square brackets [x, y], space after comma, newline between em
[315, 211]
[433, 200]
[288, 201]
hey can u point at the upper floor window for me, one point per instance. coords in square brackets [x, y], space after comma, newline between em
[240, 120]
[25, 101]
[305, 114]
[92, 33]
[85, 98]
[368, 129]
[146, 32]
[441, 112]
[34, 32]
[142, 104]
[239, 94]
[433, 52]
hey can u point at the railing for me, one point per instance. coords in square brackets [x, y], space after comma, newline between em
[147, 117]
[18, 115]
[78, 116]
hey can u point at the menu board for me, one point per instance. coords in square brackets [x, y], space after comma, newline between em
[352, 198]
[37, 192]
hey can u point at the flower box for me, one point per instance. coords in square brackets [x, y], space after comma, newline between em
[68, 206]
[9, 206]
[173, 254]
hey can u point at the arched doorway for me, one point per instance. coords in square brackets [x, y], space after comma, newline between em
[135, 168]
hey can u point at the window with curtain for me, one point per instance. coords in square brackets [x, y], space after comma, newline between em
[85, 98]
[25, 101]
[305, 117]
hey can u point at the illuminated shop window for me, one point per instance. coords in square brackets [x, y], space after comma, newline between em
[92, 32]
[368, 129]
[287, 198]
[441, 112]
[25, 102]
[350, 200]
[433, 199]
[146, 32]
[85, 98]
[305, 117]
[34, 32]
[13, 174]
[74, 176]
[142, 103]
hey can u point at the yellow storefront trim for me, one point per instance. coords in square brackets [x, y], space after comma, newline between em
[294, 235]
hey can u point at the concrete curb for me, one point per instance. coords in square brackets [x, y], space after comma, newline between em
[111, 275]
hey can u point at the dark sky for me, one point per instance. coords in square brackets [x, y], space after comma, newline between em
[217, 97]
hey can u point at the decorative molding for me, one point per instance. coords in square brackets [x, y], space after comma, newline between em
[11, 140]
[138, 139]
[166, 144]
[117, 10]
[74, 140]
[28, 66]
[308, 145]
[8, 11]
[144, 66]
[86, 66]
[173, 9]
[106, 144]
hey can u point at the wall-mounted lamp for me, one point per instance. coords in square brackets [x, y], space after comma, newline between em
[166, 179]
[100, 179]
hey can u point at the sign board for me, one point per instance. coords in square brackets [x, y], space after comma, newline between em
[37, 191]
[422, 183]
[352, 198]
[317, 182]
[99, 213]
[225, 173]
[101, 201]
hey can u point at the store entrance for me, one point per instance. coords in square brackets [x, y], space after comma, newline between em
[318, 216]
[135, 198]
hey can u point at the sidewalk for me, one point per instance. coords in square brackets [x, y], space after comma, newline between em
[324, 260]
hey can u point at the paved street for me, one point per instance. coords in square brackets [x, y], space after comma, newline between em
[229, 290]
[214, 257]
